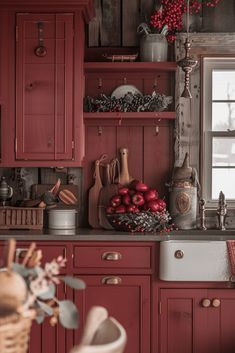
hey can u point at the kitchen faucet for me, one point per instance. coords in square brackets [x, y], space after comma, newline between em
[222, 211]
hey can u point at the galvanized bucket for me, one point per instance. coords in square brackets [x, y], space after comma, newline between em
[153, 47]
[183, 206]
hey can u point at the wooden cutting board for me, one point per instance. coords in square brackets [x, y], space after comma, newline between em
[104, 197]
[93, 198]
[37, 190]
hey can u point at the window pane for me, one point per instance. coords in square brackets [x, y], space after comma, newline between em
[223, 180]
[223, 116]
[223, 84]
[223, 151]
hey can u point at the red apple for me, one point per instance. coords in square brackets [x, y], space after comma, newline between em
[138, 199]
[132, 208]
[126, 199]
[141, 187]
[150, 194]
[156, 205]
[110, 210]
[133, 184]
[161, 204]
[153, 206]
[115, 201]
[120, 209]
[123, 191]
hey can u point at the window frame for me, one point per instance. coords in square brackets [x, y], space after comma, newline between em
[208, 64]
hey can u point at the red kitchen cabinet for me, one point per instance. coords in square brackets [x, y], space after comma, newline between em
[127, 298]
[44, 87]
[41, 91]
[197, 321]
[118, 276]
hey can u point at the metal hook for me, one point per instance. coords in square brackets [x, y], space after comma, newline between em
[100, 131]
[156, 130]
[124, 80]
[100, 83]
[155, 83]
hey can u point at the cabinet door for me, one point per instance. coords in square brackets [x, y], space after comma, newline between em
[44, 338]
[221, 320]
[128, 301]
[183, 321]
[44, 87]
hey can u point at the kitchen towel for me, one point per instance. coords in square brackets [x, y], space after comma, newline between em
[231, 255]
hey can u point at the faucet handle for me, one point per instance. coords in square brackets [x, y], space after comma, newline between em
[202, 210]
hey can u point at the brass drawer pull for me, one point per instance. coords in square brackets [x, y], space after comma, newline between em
[111, 280]
[111, 256]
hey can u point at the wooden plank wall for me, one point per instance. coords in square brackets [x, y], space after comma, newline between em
[116, 21]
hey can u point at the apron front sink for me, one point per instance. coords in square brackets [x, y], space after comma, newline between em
[194, 260]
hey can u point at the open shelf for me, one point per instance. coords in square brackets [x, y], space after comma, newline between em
[166, 115]
[129, 66]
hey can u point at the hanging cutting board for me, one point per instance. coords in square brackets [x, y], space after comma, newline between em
[105, 195]
[125, 177]
[93, 195]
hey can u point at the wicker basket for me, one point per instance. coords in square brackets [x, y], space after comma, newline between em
[144, 221]
[21, 218]
[14, 332]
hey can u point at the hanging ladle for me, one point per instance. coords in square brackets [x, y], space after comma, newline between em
[40, 50]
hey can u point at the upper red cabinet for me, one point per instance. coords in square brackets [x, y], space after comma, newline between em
[41, 88]
[44, 87]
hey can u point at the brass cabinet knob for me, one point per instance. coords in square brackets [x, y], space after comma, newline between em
[111, 256]
[111, 280]
[206, 303]
[216, 302]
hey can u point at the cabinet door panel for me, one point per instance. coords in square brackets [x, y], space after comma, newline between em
[44, 87]
[222, 321]
[128, 302]
[44, 338]
[182, 321]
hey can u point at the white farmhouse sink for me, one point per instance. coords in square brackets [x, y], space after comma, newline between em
[194, 260]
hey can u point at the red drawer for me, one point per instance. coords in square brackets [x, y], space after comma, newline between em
[112, 257]
[49, 252]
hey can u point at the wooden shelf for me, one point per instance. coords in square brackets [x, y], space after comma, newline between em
[132, 115]
[133, 66]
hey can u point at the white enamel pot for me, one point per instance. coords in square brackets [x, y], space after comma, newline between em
[62, 218]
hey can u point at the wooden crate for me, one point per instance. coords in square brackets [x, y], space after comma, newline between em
[21, 218]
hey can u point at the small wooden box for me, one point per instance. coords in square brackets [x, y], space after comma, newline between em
[21, 218]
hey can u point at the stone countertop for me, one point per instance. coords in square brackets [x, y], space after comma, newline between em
[85, 234]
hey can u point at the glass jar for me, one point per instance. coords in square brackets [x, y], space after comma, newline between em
[153, 47]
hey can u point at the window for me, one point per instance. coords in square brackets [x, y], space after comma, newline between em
[218, 129]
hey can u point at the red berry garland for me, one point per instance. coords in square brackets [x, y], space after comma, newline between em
[171, 13]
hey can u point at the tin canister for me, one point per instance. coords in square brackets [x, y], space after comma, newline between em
[183, 206]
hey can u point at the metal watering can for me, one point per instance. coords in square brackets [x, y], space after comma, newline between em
[184, 189]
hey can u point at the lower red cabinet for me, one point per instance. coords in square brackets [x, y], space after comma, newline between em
[44, 338]
[197, 321]
[127, 298]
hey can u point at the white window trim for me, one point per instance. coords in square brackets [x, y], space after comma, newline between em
[210, 63]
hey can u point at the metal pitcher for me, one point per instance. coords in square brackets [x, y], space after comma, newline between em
[6, 191]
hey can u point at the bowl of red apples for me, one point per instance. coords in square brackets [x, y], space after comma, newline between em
[138, 208]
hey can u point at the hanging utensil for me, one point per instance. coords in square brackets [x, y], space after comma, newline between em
[40, 50]
[93, 197]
